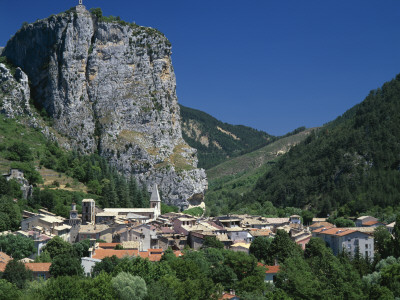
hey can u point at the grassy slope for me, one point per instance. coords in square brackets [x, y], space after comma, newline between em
[12, 131]
[250, 162]
[240, 174]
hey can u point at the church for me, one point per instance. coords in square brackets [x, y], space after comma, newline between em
[92, 215]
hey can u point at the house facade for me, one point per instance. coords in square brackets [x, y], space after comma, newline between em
[347, 240]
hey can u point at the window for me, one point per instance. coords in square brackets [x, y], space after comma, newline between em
[366, 246]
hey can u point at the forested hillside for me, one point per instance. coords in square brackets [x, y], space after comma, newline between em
[350, 165]
[216, 141]
[69, 176]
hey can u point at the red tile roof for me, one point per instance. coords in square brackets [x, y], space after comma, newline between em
[178, 253]
[150, 254]
[228, 296]
[336, 231]
[272, 269]
[369, 223]
[102, 253]
[269, 269]
[38, 267]
[108, 245]
[4, 258]
[35, 267]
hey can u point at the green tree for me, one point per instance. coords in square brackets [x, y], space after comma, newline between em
[260, 247]
[107, 265]
[17, 246]
[390, 278]
[81, 249]
[212, 242]
[297, 279]
[282, 247]
[10, 214]
[143, 268]
[129, 287]
[101, 288]
[20, 151]
[57, 246]
[66, 265]
[8, 291]
[47, 199]
[382, 242]
[307, 217]
[159, 290]
[16, 273]
[65, 287]
[97, 12]
[342, 222]
[336, 277]
[44, 257]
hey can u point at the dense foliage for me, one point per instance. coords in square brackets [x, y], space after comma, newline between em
[311, 274]
[16, 246]
[221, 145]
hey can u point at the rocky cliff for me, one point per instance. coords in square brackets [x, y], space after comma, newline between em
[109, 86]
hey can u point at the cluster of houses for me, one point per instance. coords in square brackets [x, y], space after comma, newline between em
[147, 233]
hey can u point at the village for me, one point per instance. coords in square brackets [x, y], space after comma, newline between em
[145, 232]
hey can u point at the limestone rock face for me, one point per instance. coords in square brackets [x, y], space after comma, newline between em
[110, 86]
[14, 93]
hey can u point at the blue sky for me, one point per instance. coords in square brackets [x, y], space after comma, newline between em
[271, 65]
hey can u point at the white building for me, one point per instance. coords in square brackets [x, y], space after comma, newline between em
[347, 240]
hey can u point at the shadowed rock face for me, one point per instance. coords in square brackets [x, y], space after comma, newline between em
[111, 87]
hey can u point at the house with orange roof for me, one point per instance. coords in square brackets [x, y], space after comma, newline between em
[348, 240]
[365, 220]
[270, 272]
[102, 253]
[39, 270]
[231, 296]
[4, 258]
[373, 224]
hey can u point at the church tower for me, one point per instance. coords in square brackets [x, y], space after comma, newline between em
[155, 201]
[75, 223]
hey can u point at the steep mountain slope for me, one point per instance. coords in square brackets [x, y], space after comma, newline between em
[108, 87]
[217, 141]
[248, 163]
[351, 164]
[234, 177]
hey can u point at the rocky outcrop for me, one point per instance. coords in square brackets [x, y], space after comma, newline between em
[14, 92]
[110, 87]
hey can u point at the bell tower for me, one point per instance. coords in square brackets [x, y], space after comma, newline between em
[155, 201]
[74, 222]
[80, 7]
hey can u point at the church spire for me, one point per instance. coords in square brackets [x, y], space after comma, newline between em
[155, 196]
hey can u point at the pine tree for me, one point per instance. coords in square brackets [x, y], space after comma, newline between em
[133, 192]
